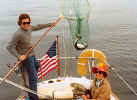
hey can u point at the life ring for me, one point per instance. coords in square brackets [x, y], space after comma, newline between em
[83, 59]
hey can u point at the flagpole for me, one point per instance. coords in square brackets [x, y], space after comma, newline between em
[27, 53]
[58, 60]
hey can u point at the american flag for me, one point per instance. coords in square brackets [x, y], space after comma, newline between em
[48, 62]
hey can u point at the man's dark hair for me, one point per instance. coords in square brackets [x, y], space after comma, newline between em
[23, 16]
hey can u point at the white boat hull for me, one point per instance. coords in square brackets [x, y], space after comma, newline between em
[63, 90]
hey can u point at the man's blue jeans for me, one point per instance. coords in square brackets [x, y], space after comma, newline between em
[31, 65]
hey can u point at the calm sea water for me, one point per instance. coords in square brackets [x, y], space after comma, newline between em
[113, 30]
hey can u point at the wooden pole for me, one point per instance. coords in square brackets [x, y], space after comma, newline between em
[29, 51]
[58, 59]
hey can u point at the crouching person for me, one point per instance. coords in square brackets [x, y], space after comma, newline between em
[100, 87]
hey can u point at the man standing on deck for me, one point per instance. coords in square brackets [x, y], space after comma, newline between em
[21, 43]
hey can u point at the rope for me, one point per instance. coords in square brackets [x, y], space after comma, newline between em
[125, 82]
[90, 8]
[23, 88]
[120, 77]
[63, 40]
[61, 8]
[93, 55]
[111, 68]
[89, 69]
[34, 92]
[65, 49]
[64, 46]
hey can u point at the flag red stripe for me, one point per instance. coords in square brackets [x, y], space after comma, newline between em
[42, 61]
[47, 67]
[45, 56]
[46, 64]
[46, 61]
[46, 72]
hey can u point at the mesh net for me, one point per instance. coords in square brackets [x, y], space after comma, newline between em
[77, 13]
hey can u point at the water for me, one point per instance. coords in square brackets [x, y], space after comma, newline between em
[113, 30]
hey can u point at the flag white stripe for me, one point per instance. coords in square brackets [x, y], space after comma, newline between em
[45, 56]
[45, 59]
[48, 70]
[47, 66]
[43, 67]
[48, 61]
[45, 73]
[54, 66]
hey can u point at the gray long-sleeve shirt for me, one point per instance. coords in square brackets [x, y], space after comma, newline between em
[21, 40]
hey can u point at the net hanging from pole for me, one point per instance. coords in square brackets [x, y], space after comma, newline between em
[77, 14]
